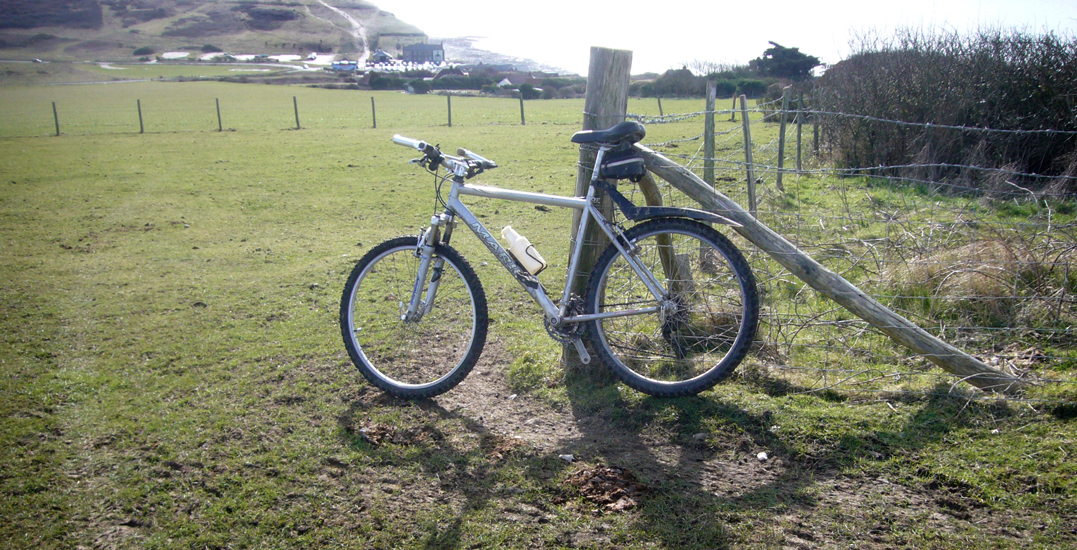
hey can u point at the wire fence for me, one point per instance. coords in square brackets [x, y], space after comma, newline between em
[991, 273]
[171, 107]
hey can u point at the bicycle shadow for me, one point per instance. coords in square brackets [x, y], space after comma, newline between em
[467, 463]
[691, 472]
[695, 488]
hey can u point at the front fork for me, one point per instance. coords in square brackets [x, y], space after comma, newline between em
[439, 232]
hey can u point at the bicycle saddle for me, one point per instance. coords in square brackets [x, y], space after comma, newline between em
[628, 131]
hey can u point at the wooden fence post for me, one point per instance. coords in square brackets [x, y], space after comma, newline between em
[830, 284]
[56, 118]
[295, 103]
[141, 128]
[708, 133]
[660, 113]
[781, 139]
[605, 104]
[373, 112]
[800, 127]
[749, 165]
[814, 124]
[220, 127]
[449, 98]
[523, 122]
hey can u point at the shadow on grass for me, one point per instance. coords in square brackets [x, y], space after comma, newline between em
[699, 489]
[721, 477]
[472, 464]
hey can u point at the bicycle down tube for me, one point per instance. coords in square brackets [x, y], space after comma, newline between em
[528, 281]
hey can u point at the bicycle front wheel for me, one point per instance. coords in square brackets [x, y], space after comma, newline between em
[414, 358]
[697, 333]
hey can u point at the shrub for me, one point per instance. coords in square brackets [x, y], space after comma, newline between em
[419, 86]
[144, 50]
[1011, 81]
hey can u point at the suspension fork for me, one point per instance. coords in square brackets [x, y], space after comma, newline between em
[439, 232]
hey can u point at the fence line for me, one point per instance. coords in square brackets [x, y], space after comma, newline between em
[996, 276]
[149, 111]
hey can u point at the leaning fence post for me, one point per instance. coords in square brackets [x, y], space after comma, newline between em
[781, 139]
[748, 164]
[522, 121]
[141, 129]
[295, 103]
[832, 285]
[56, 118]
[220, 127]
[660, 113]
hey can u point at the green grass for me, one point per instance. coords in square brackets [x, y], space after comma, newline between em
[172, 373]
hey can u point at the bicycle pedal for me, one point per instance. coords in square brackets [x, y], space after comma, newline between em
[585, 357]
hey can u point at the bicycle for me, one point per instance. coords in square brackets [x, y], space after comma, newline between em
[670, 306]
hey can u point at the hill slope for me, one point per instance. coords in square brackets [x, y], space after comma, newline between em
[113, 29]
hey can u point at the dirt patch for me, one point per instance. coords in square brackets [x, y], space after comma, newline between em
[614, 489]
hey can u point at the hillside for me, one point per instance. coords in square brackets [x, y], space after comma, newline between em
[112, 30]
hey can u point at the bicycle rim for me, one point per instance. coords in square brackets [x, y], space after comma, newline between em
[413, 358]
[703, 329]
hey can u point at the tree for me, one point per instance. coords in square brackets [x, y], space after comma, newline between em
[528, 91]
[781, 62]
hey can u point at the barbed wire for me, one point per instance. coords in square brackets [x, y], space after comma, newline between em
[936, 254]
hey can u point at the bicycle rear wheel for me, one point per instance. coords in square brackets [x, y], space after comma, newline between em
[420, 358]
[701, 329]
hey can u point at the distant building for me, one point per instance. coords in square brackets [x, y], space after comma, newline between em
[380, 56]
[424, 53]
[448, 71]
[514, 80]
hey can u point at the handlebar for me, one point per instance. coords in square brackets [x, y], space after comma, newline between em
[408, 142]
[484, 162]
[471, 165]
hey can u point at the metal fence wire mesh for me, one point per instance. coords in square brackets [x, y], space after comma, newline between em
[992, 274]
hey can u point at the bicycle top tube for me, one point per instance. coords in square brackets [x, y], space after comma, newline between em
[469, 164]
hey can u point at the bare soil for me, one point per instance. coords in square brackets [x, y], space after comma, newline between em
[615, 469]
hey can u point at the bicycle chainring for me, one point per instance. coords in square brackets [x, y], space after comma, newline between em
[567, 332]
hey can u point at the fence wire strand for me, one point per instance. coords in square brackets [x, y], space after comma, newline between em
[991, 272]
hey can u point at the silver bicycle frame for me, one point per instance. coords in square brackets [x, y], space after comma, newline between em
[554, 313]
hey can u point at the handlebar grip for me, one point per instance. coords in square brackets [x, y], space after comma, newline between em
[485, 162]
[408, 142]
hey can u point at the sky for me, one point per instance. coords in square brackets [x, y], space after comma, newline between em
[669, 34]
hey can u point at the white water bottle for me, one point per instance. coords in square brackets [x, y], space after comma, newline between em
[523, 250]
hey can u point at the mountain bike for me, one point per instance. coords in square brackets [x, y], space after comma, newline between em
[670, 305]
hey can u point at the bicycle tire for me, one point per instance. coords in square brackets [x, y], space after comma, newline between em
[707, 324]
[412, 360]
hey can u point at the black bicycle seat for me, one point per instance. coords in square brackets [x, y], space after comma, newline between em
[628, 131]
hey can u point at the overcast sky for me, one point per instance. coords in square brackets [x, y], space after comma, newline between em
[668, 34]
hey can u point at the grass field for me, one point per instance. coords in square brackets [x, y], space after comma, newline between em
[172, 372]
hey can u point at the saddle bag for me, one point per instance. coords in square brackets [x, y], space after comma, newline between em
[624, 164]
